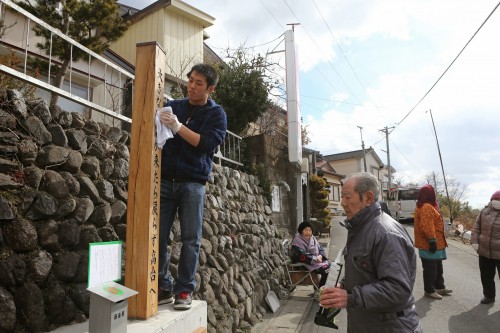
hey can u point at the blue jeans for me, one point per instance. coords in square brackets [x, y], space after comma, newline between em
[188, 200]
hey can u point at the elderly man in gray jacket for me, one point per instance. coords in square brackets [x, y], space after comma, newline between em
[380, 265]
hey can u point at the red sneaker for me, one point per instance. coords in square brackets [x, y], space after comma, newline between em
[182, 301]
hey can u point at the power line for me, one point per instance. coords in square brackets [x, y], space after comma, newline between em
[403, 155]
[255, 46]
[250, 47]
[427, 93]
[310, 105]
[328, 61]
[281, 25]
[338, 45]
[330, 100]
[321, 73]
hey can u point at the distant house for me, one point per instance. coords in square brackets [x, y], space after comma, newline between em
[334, 182]
[272, 122]
[351, 162]
[385, 180]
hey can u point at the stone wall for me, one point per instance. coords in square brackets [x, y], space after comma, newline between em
[63, 185]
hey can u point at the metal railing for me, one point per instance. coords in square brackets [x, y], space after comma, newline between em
[100, 77]
[96, 73]
[230, 150]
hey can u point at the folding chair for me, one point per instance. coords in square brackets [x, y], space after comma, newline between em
[298, 274]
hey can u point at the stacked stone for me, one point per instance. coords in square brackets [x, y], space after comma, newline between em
[241, 254]
[63, 185]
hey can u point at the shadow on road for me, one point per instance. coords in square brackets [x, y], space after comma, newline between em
[423, 305]
[477, 319]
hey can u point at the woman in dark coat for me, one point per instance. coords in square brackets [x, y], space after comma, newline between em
[485, 239]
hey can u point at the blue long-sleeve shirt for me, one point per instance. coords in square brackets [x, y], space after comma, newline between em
[182, 162]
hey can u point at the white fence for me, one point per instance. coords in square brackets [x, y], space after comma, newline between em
[94, 84]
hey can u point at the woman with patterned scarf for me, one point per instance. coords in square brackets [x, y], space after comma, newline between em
[306, 249]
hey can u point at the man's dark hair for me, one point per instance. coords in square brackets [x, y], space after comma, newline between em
[208, 71]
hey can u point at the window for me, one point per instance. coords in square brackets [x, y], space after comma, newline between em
[336, 192]
[408, 194]
[64, 103]
[77, 90]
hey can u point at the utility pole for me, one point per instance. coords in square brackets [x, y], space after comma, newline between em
[362, 145]
[293, 25]
[442, 168]
[389, 171]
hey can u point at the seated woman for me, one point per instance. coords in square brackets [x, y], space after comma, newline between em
[306, 249]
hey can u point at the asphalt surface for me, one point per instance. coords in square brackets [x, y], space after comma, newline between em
[460, 312]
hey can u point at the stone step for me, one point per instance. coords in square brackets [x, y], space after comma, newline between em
[166, 320]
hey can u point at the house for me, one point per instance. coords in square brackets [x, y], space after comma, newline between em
[272, 122]
[103, 82]
[351, 162]
[386, 176]
[178, 28]
[334, 183]
[90, 83]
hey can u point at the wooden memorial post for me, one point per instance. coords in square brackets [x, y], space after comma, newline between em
[143, 219]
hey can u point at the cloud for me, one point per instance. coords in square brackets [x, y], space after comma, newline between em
[391, 53]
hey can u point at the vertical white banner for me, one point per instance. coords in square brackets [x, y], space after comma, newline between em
[292, 100]
[276, 199]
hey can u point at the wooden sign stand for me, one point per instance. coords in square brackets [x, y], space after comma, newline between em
[143, 222]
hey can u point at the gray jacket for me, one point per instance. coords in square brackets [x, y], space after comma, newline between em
[380, 269]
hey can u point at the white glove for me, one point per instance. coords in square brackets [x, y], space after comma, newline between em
[475, 247]
[172, 123]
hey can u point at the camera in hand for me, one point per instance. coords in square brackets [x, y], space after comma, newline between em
[326, 317]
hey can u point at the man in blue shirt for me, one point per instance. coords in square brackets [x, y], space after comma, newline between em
[199, 126]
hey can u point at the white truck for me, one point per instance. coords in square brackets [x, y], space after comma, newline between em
[402, 202]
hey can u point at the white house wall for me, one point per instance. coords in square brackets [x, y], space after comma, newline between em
[180, 37]
[183, 43]
[149, 29]
[347, 167]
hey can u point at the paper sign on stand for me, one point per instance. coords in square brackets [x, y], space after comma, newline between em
[105, 262]
[108, 299]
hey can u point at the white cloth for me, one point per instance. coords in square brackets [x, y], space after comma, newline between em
[163, 133]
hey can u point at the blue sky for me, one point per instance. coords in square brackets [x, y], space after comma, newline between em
[372, 62]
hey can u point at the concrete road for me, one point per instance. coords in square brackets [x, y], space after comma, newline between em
[459, 313]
